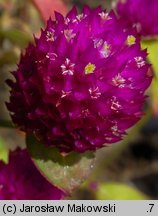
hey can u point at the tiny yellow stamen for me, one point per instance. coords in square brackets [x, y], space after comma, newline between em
[105, 51]
[89, 68]
[106, 46]
[131, 40]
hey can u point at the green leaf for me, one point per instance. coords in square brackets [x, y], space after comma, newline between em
[152, 48]
[4, 152]
[16, 36]
[66, 172]
[118, 191]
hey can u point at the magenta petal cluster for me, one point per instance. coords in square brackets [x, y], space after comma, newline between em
[20, 180]
[82, 84]
[140, 13]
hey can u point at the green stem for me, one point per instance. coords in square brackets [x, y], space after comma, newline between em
[6, 123]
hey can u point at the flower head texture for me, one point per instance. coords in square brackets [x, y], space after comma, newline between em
[82, 84]
[140, 13]
[20, 180]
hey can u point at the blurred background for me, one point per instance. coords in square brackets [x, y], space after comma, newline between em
[126, 170]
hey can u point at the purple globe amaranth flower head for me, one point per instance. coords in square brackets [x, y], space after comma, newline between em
[140, 13]
[20, 180]
[82, 84]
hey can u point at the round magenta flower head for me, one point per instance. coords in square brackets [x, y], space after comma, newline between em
[82, 84]
[20, 180]
[140, 13]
